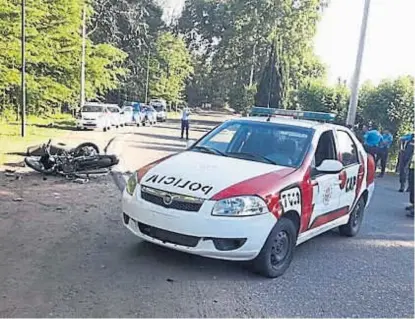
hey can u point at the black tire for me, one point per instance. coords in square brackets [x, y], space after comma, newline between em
[96, 162]
[77, 150]
[278, 251]
[104, 129]
[352, 228]
[36, 165]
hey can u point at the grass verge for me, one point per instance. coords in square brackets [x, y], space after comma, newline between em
[38, 130]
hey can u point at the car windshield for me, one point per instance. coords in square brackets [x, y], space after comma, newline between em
[92, 109]
[158, 108]
[278, 144]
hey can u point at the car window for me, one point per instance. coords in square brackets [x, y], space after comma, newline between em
[347, 149]
[92, 109]
[272, 143]
[326, 148]
[221, 140]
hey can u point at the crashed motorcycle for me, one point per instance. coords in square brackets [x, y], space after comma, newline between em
[77, 162]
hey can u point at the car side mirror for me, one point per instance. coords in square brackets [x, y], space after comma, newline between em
[330, 167]
[122, 113]
[190, 143]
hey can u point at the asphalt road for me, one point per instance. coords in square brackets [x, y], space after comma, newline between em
[65, 253]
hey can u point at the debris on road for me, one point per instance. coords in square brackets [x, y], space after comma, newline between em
[18, 199]
[170, 280]
[81, 180]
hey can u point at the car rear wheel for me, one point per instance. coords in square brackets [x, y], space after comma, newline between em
[278, 251]
[355, 221]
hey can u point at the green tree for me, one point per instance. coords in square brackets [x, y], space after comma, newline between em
[390, 105]
[315, 95]
[171, 66]
[132, 26]
[53, 52]
[245, 41]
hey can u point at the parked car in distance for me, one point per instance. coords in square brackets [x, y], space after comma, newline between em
[117, 118]
[160, 106]
[127, 113]
[134, 113]
[94, 116]
[150, 115]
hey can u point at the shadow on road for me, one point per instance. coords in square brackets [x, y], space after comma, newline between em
[158, 136]
[191, 128]
[159, 148]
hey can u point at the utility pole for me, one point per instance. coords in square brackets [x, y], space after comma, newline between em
[23, 71]
[351, 115]
[251, 77]
[82, 97]
[148, 74]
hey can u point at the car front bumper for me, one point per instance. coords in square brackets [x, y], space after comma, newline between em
[87, 124]
[200, 233]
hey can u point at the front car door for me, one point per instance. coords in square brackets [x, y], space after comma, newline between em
[326, 191]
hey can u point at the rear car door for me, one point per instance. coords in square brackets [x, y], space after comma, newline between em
[353, 172]
[326, 191]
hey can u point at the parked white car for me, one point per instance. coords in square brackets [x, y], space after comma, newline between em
[160, 107]
[117, 119]
[94, 116]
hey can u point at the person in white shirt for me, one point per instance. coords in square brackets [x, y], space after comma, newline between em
[185, 122]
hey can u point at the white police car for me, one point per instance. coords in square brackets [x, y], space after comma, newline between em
[252, 189]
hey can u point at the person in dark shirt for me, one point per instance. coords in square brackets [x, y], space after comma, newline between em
[410, 208]
[405, 156]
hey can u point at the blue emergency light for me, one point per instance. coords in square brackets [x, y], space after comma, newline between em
[303, 115]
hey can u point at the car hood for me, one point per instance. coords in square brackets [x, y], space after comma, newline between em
[202, 175]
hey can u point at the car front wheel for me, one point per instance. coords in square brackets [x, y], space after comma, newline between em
[278, 251]
[355, 221]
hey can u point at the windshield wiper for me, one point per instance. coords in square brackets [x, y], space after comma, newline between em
[253, 156]
[209, 150]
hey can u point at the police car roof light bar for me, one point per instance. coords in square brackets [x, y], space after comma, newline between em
[303, 115]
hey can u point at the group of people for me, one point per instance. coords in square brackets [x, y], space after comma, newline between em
[378, 144]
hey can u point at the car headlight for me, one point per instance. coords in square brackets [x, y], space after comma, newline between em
[131, 184]
[240, 206]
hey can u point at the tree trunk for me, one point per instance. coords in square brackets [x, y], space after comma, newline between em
[270, 89]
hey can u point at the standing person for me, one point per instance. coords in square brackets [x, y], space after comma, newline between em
[185, 122]
[411, 187]
[372, 139]
[405, 156]
[383, 151]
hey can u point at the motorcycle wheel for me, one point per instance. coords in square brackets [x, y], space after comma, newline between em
[34, 163]
[80, 149]
[96, 162]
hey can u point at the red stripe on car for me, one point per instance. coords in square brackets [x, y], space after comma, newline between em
[328, 217]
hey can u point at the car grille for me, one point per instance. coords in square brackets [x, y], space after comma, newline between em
[168, 236]
[176, 201]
